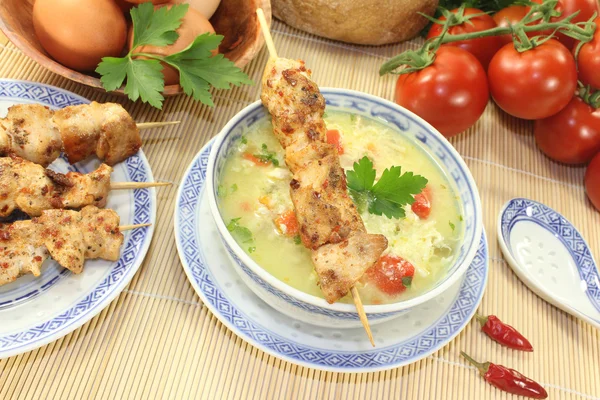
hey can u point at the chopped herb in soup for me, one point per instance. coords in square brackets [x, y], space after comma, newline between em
[420, 214]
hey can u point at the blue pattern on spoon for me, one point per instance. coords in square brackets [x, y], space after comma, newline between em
[549, 255]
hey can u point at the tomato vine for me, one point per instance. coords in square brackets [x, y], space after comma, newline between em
[537, 19]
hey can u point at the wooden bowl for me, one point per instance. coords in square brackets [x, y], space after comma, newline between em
[234, 19]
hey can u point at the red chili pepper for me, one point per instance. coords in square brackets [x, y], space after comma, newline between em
[502, 333]
[508, 379]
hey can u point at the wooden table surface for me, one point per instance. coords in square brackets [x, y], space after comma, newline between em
[157, 340]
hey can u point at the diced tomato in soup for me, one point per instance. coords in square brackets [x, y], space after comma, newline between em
[422, 204]
[391, 274]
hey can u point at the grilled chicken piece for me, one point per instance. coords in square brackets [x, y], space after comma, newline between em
[356, 254]
[21, 251]
[62, 235]
[25, 186]
[325, 212]
[101, 233]
[297, 159]
[295, 103]
[329, 222]
[106, 130]
[69, 237]
[33, 189]
[28, 132]
[81, 190]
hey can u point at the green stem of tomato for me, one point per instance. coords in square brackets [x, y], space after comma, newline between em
[589, 95]
[499, 31]
[594, 100]
[422, 58]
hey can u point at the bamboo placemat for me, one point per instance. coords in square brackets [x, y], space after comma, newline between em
[156, 340]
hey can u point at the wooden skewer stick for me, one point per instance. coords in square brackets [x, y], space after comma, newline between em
[130, 227]
[265, 28]
[355, 295]
[150, 125]
[361, 313]
[136, 185]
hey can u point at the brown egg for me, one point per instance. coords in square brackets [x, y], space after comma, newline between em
[78, 33]
[193, 25]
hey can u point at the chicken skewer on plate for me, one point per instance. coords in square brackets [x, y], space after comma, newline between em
[32, 188]
[329, 223]
[38, 134]
[69, 237]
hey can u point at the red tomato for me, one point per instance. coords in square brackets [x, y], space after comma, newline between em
[391, 274]
[422, 205]
[586, 9]
[572, 136]
[450, 94]
[510, 16]
[588, 61]
[334, 138]
[482, 48]
[534, 84]
[592, 181]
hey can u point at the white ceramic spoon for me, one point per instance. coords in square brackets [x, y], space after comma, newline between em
[551, 257]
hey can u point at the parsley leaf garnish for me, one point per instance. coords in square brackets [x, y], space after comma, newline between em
[297, 239]
[156, 27]
[198, 68]
[222, 191]
[389, 195]
[407, 281]
[363, 176]
[267, 156]
[241, 233]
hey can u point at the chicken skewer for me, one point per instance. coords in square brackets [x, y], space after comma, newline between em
[330, 225]
[32, 189]
[151, 125]
[69, 237]
[38, 134]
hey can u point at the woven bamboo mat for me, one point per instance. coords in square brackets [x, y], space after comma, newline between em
[156, 340]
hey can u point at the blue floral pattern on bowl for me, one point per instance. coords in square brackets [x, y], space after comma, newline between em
[188, 222]
[402, 121]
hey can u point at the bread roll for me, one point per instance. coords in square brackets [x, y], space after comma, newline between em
[371, 22]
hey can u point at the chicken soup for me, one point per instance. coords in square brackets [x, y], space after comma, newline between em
[254, 200]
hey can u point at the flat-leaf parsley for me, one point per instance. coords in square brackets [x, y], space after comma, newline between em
[198, 68]
[389, 195]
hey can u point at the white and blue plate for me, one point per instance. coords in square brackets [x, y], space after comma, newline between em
[36, 311]
[401, 341]
[551, 257]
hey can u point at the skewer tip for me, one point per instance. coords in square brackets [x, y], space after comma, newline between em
[137, 185]
[264, 26]
[131, 227]
[150, 125]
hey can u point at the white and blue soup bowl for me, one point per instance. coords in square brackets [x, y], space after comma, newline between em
[315, 310]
